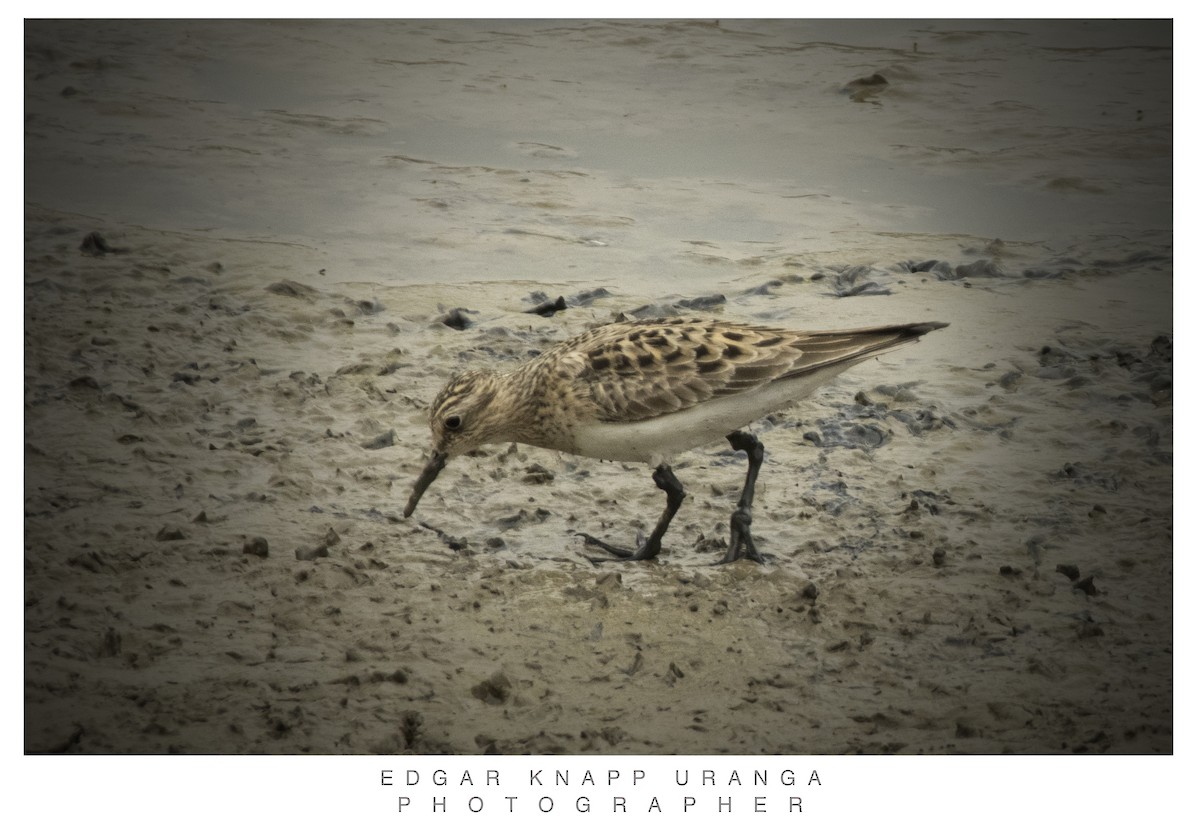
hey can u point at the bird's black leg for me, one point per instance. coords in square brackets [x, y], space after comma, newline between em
[741, 543]
[665, 479]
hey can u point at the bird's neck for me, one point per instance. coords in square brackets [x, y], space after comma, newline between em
[520, 400]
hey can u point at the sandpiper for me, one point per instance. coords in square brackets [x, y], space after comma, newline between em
[643, 391]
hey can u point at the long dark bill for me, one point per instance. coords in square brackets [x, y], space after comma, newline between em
[432, 468]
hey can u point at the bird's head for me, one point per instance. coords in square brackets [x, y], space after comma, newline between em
[461, 418]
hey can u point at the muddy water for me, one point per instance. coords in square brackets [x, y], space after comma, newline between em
[440, 152]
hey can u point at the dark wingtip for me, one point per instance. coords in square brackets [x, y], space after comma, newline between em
[921, 328]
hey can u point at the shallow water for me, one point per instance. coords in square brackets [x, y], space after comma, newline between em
[428, 151]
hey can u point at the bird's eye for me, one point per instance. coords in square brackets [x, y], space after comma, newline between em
[453, 422]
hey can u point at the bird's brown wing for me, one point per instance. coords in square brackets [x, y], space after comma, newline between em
[655, 367]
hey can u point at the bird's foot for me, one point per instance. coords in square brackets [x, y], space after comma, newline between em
[646, 550]
[741, 542]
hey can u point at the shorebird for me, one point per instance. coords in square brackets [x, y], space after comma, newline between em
[644, 391]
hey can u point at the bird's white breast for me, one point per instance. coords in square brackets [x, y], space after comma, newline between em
[656, 440]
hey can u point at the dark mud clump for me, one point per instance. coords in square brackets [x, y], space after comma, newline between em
[549, 308]
[457, 318]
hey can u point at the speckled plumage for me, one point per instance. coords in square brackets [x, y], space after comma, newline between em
[646, 390]
[631, 372]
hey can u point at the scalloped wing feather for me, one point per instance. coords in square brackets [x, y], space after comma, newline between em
[651, 368]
